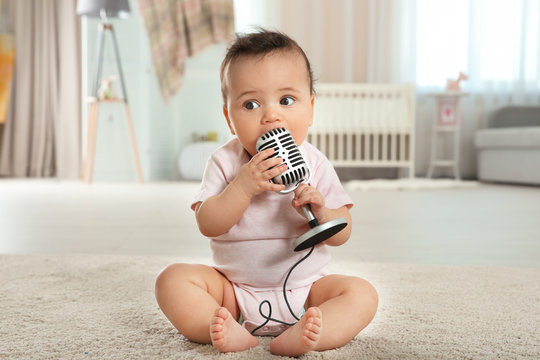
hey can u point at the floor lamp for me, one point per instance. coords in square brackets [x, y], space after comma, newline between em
[105, 9]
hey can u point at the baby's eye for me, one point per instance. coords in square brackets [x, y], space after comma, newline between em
[287, 100]
[250, 105]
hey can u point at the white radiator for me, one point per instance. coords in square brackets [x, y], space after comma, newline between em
[365, 125]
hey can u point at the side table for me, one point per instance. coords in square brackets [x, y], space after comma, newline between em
[93, 115]
[448, 122]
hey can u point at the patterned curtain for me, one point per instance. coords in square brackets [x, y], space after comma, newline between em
[180, 28]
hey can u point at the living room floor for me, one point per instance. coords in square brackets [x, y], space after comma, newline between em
[484, 225]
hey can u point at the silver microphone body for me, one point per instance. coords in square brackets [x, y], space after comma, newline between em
[281, 140]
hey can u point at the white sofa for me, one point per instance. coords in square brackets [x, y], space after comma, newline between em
[509, 148]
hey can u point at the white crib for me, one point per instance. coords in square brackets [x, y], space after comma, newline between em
[365, 125]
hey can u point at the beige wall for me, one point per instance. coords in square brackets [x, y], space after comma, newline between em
[319, 27]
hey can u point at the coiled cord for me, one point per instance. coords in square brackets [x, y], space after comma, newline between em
[269, 316]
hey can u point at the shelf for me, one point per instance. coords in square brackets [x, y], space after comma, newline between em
[92, 100]
[446, 128]
[449, 94]
[444, 163]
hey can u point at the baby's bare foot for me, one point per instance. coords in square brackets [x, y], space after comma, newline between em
[300, 338]
[228, 335]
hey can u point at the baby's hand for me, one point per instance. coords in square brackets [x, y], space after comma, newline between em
[306, 194]
[254, 177]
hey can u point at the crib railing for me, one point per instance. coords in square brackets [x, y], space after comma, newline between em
[365, 125]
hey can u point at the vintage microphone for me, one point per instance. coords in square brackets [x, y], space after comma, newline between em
[281, 140]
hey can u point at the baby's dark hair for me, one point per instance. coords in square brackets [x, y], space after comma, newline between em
[261, 42]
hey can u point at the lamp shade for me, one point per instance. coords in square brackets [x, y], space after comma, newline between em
[112, 8]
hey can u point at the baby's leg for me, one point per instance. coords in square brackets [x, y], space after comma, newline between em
[347, 305]
[199, 301]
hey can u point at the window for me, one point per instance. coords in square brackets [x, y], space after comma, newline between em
[494, 41]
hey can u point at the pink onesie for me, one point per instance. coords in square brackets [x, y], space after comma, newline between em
[256, 253]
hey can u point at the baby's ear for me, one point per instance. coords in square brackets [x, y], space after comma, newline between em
[312, 108]
[226, 114]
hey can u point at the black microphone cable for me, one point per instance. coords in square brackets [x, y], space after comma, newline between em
[268, 316]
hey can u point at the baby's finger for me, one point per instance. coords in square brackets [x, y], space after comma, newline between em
[302, 189]
[270, 186]
[275, 171]
[301, 201]
[308, 195]
[269, 163]
[276, 187]
[263, 155]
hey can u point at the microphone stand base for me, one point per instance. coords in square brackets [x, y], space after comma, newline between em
[319, 233]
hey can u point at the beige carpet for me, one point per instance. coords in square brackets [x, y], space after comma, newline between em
[103, 307]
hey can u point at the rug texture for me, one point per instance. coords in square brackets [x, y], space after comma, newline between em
[103, 307]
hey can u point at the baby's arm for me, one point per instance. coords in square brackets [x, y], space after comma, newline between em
[306, 194]
[218, 214]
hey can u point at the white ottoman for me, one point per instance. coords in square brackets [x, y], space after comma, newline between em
[193, 158]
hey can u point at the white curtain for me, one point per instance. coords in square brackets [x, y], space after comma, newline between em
[42, 130]
[391, 42]
[496, 42]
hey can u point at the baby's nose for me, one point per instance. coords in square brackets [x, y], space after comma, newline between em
[271, 114]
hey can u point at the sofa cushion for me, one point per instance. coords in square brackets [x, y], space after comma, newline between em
[519, 137]
[515, 116]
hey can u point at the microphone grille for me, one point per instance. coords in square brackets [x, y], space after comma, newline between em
[281, 140]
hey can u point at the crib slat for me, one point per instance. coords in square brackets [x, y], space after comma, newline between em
[358, 154]
[384, 146]
[349, 152]
[336, 134]
[393, 147]
[324, 147]
[402, 146]
[367, 146]
[376, 149]
[331, 149]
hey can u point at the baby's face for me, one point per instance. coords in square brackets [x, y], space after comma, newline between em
[268, 92]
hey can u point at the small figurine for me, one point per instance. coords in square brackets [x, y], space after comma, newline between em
[453, 85]
[106, 91]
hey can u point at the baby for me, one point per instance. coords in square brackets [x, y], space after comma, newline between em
[267, 83]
